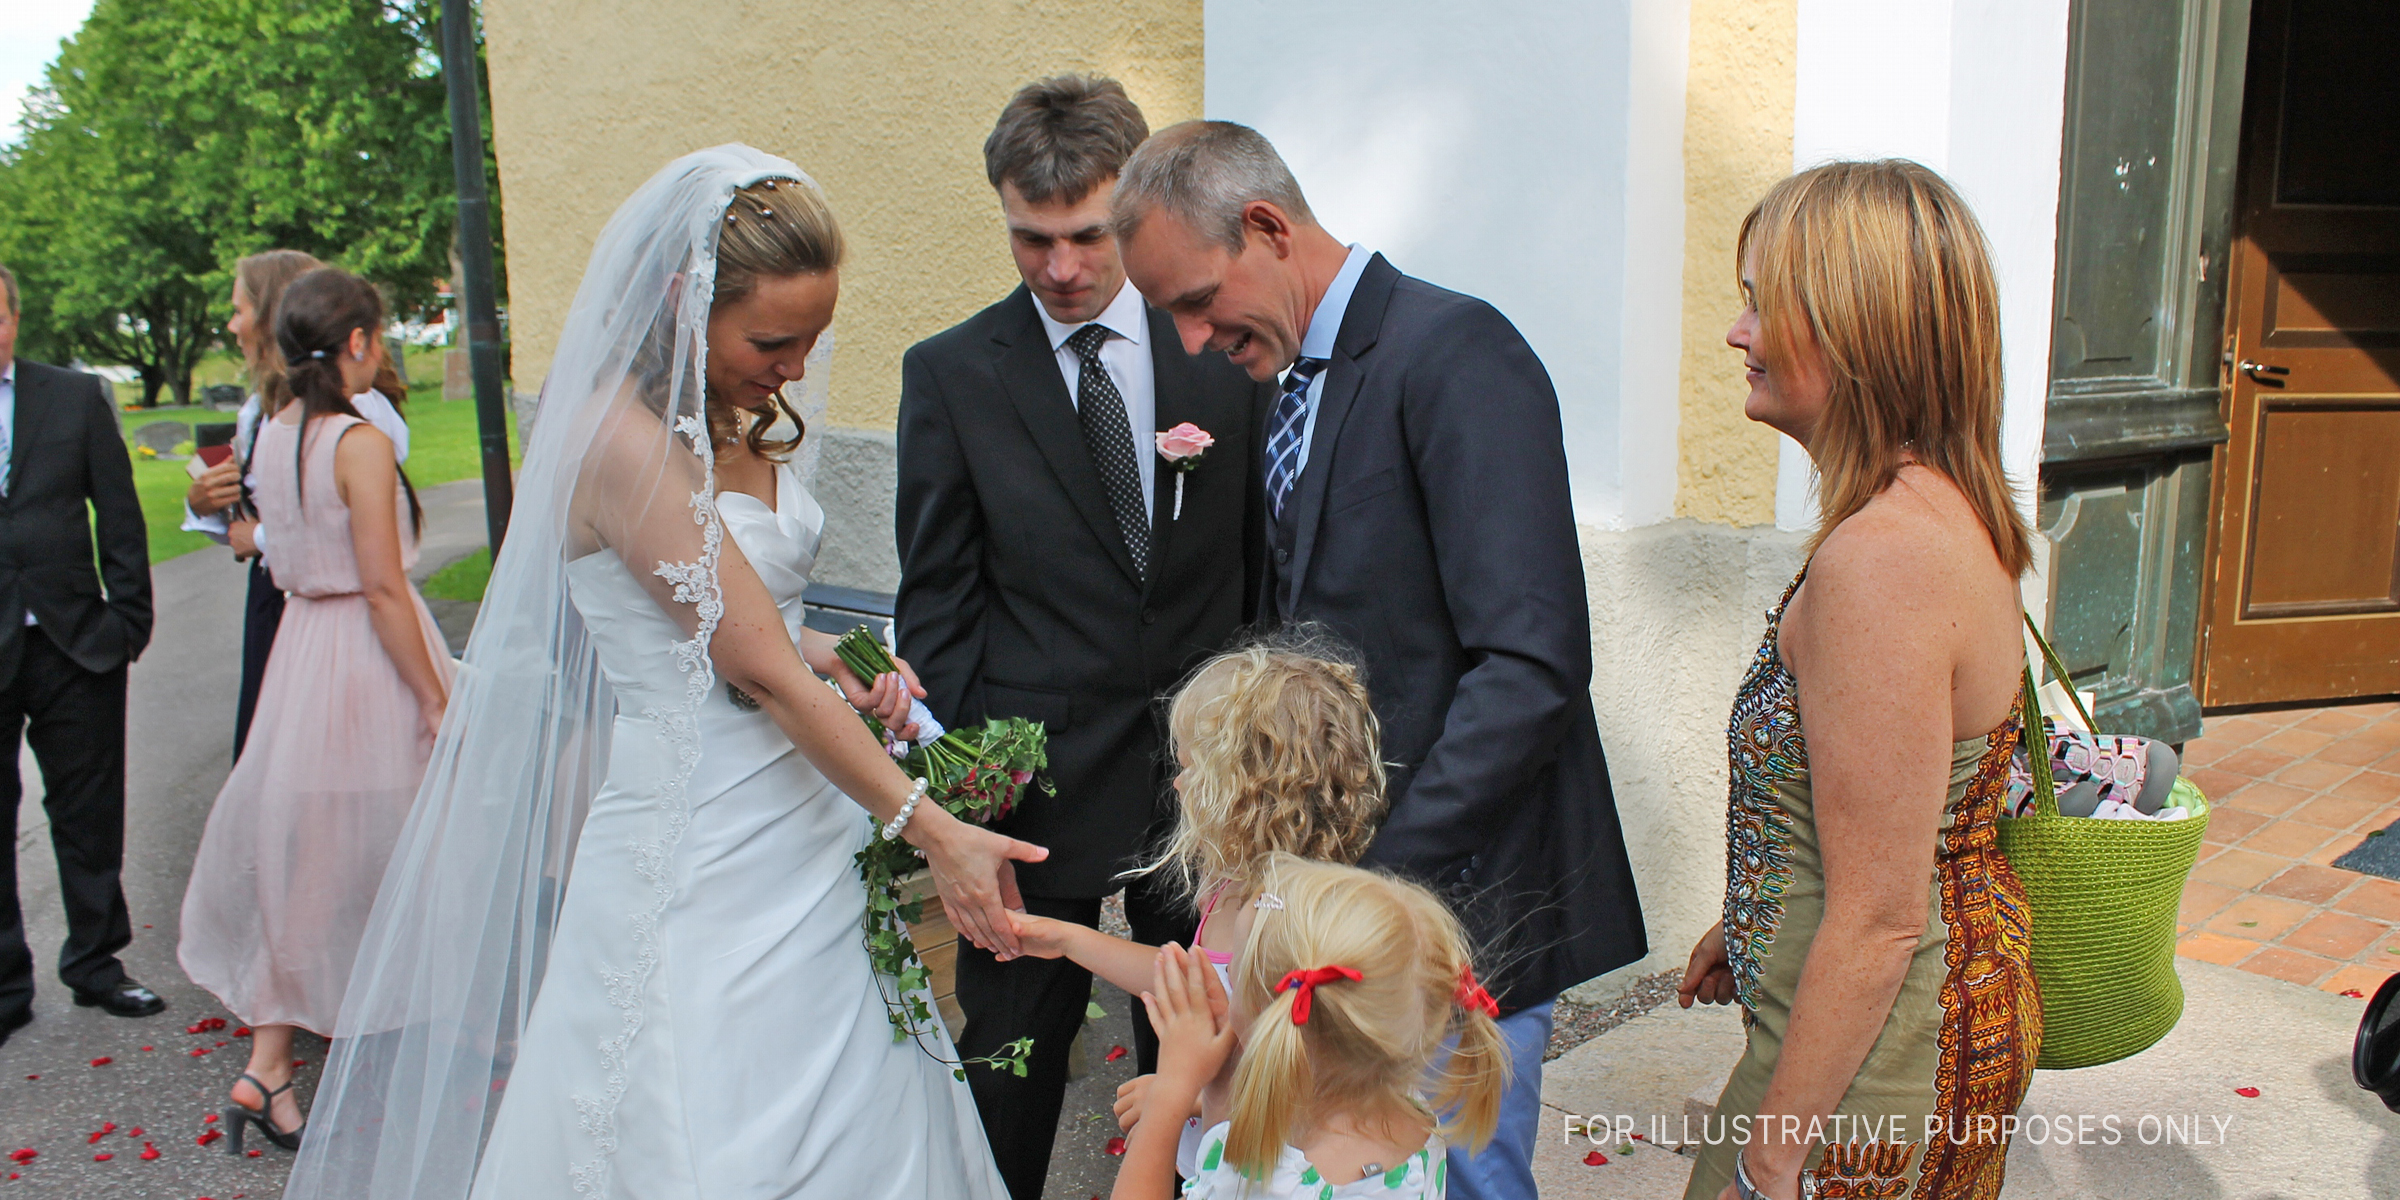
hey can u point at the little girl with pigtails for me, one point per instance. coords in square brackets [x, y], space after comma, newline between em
[1348, 987]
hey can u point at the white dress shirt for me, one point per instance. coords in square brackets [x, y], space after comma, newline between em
[1324, 329]
[1126, 358]
[371, 404]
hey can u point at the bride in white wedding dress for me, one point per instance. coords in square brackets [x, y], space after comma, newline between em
[618, 951]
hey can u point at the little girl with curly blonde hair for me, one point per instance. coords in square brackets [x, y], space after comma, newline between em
[1350, 985]
[1279, 753]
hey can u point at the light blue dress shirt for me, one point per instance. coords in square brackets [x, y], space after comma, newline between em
[1324, 328]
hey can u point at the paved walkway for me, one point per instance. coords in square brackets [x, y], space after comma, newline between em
[2308, 1134]
[2295, 789]
[55, 1093]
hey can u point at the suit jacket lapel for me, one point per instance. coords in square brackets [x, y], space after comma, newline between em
[1361, 323]
[24, 426]
[1175, 385]
[1028, 370]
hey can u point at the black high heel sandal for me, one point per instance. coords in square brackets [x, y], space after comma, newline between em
[240, 1116]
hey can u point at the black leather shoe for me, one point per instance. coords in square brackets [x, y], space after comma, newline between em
[13, 1023]
[127, 999]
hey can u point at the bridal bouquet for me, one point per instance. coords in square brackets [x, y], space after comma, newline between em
[979, 775]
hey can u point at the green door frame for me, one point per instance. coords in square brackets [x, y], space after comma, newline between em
[2151, 141]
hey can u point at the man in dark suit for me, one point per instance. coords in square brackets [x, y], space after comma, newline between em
[64, 644]
[1416, 487]
[1046, 572]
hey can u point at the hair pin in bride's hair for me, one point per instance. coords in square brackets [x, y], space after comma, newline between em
[1268, 900]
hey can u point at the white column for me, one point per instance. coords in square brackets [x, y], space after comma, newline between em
[1975, 89]
[1530, 156]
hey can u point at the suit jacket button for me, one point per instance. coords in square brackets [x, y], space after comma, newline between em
[1149, 616]
[1282, 556]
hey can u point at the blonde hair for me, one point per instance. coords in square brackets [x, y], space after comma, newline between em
[262, 277]
[1285, 756]
[1882, 264]
[1368, 1043]
[772, 228]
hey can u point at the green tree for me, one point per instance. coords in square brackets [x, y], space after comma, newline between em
[171, 137]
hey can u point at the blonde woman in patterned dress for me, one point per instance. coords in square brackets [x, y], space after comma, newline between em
[1873, 934]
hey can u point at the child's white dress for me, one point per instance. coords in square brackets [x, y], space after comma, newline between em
[1418, 1177]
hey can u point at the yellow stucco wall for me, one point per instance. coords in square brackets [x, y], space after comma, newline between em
[1737, 141]
[886, 104]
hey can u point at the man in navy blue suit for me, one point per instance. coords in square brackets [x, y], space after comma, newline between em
[1417, 505]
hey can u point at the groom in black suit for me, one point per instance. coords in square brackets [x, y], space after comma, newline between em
[1416, 492]
[1046, 572]
[64, 642]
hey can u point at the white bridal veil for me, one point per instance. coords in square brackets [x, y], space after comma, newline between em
[617, 456]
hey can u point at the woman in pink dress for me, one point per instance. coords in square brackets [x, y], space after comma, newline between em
[353, 694]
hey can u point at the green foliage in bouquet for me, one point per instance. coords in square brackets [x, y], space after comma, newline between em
[978, 775]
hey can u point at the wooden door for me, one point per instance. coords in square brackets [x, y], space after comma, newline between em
[2304, 599]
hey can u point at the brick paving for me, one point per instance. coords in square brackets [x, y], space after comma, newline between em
[2292, 790]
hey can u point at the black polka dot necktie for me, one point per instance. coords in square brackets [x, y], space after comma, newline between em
[1109, 436]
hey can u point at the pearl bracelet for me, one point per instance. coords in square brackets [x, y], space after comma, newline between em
[892, 828]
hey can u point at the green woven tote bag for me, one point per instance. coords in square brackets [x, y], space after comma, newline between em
[2103, 897]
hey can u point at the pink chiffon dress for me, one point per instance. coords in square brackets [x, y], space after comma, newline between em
[297, 842]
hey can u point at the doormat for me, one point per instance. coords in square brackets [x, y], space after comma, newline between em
[2378, 855]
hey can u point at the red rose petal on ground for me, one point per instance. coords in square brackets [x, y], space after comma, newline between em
[13, 1175]
[220, 1045]
[102, 1061]
[253, 1153]
[31, 1078]
[2246, 1093]
[102, 1157]
[21, 1157]
[149, 1152]
[1595, 1159]
[108, 1126]
[1116, 1145]
[94, 1140]
[241, 1031]
[299, 1062]
[197, 1051]
[1114, 1053]
[2354, 993]
[134, 1132]
[149, 1047]
[209, 1136]
[210, 1119]
[1639, 1138]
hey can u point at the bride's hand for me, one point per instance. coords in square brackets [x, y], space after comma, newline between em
[888, 699]
[974, 870]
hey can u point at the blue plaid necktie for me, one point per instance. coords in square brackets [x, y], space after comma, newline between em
[1284, 433]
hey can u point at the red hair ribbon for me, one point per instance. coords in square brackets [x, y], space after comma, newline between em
[1472, 997]
[1307, 982]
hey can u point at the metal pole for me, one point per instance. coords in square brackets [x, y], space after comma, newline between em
[475, 261]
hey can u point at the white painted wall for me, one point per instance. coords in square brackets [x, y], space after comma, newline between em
[1536, 162]
[1975, 89]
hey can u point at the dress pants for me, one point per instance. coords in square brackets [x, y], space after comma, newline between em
[262, 611]
[75, 721]
[1044, 999]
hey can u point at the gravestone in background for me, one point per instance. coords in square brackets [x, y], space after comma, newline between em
[161, 437]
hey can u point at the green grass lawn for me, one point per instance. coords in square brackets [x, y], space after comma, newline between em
[442, 448]
[462, 580]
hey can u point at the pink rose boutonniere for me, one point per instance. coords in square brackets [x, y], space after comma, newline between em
[1183, 447]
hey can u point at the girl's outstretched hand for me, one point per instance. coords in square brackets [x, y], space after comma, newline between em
[1193, 1037]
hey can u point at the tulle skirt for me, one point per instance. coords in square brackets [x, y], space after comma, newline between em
[300, 835]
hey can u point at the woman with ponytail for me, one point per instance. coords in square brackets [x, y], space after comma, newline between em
[1350, 987]
[218, 502]
[352, 696]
